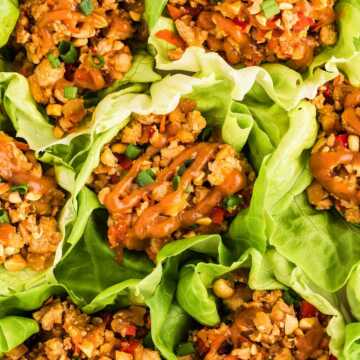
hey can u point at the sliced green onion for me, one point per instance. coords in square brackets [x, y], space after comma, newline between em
[70, 92]
[270, 8]
[145, 177]
[54, 61]
[87, 7]
[206, 133]
[97, 61]
[4, 218]
[291, 297]
[185, 349]
[133, 152]
[176, 182]
[68, 52]
[232, 202]
[184, 166]
[21, 189]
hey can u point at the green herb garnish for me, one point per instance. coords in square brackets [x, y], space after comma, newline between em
[291, 297]
[176, 182]
[97, 61]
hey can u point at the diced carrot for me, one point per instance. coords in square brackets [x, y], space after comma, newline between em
[170, 37]
[218, 215]
[131, 330]
[174, 12]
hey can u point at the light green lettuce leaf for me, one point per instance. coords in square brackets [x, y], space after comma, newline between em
[9, 13]
[343, 56]
[283, 85]
[14, 330]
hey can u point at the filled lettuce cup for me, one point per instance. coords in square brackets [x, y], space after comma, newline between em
[166, 177]
[259, 324]
[30, 204]
[335, 155]
[65, 332]
[66, 50]
[254, 32]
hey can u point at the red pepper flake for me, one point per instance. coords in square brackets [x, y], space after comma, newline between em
[342, 140]
[171, 38]
[218, 215]
[307, 310]
[129, 346]
[130, 330]
[124, 162]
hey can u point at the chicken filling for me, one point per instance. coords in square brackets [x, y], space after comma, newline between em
[29, 203]
[253, 32]
[262, 325]
[74, 47]
[335, 158]
[67, 333]
[169, 176]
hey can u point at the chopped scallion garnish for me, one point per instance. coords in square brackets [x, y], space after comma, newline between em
[133, 152]
[70, 92]
[4, 217]
[270, 8]
[145, 177]
[87, 7]
[54, 61]
[68, 52]
[21, 189]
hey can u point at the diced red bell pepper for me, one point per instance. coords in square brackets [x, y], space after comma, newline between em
[327, 91]
[171, 38]
[241, 23]
[307, 310]
[342, 140]
[131, 330]
[218, 215]
[129, 346]
[124, 162]
[303, 22]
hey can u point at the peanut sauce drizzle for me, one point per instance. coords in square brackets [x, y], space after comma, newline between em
[322, 166]
[155, 222]
[16, 172]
